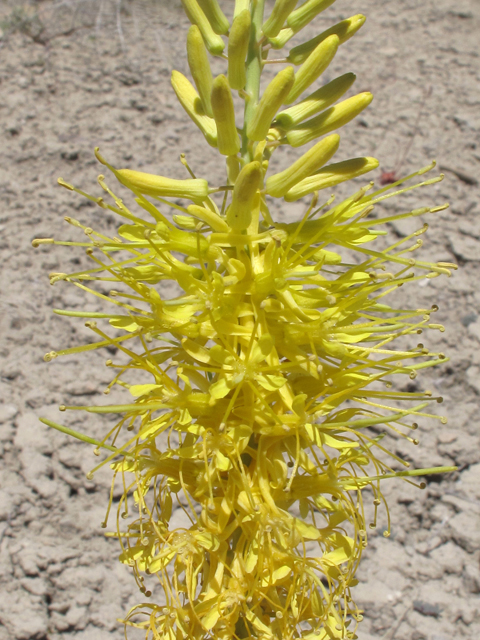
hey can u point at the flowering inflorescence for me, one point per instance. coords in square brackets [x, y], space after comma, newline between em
[267, 370]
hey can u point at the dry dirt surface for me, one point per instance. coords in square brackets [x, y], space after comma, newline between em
[77, 74]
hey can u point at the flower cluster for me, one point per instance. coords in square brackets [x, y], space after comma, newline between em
[269, 367]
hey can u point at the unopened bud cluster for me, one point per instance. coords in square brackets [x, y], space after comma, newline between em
[252, 391]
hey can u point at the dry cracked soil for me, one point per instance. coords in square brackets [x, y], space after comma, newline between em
[75, 74]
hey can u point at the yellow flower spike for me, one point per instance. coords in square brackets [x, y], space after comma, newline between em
[191, 102]
[239, 213]
[200, 67]
[313, 67]
[280, 183]
[331, 119]
[237, 49]
[344, 30]
[272, 99]
[196, 16]
[280, 12]
[330, 176]
[264, 360]
[317, 101]
[215, 16]
[224, 114]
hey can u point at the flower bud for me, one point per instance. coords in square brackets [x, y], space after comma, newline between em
[317, 101]
[239, 213]
[209, 217]
[191, 102]
[152, 185]
[331, 119]
[283, 37]
[271, 101]
[278, 184]
[215, 16]
[313, 67]
[200, 67]
[344, 30]
[280, 12]
[224, 114]
[331, 175]
[196, 16]
[237, 49]
[306, 13]
[240, 5]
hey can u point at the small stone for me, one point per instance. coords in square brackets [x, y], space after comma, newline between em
[465, 248]
[450, 557]
[471, 579]
[465, 531]
[474, 330]
[473, 378]
[470, 481]
[426, 608]
[7, 412]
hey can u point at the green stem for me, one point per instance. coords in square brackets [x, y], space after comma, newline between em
[254, 71]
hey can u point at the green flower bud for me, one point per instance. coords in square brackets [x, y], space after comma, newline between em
[240, 5]
[332, 175]
[215, 16]
[200, 67]
[237, 50]
[280, 13]
[239, 213]
[306, 13]
[313, 67]
[344, 30]
[283, 37]
[280, 183]
[152, 185]
[196, 16]
[191, 102]
[317, 101]
[271, 101]
[224, 114]
[331, 119]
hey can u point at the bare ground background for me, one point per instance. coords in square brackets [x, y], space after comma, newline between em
[74, 75]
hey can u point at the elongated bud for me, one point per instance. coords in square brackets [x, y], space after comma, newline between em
[331, 175]
[191, 102]
[280, 12]
[237, 50]
[317, 101]
[280, 183]
[272, 99]
[239, 213]
[224, 114]
[313, 67]
[344, 30]
[196, 16]
[331, 119]
[200, 67]
[283, 37]
[306, 13]
[152, 185]
[215, 16]
[233, 168]
[240, 5]
[206, 215]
